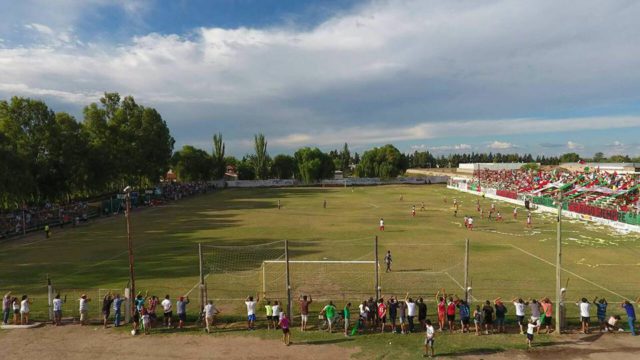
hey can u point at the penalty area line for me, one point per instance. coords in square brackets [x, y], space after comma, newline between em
[460, 285]
[569, 272]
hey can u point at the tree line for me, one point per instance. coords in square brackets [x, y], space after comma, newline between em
[49, 156]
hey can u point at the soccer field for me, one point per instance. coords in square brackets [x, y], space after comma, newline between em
[506, 259]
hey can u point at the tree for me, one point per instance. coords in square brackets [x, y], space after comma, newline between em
[261, 159]
[283, 166]
[246, 168]
[313, 165]
[598, 157]
[569, 157]
[219, 165]
[619, 158]
[345, 158]
[192, 164]
[384, 162]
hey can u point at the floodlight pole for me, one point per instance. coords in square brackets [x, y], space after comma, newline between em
[201, 267]
[466, 270]
[375, 251]
[132, 278]
[559, 266]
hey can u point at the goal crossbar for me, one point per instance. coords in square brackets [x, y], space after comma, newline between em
[320, 262]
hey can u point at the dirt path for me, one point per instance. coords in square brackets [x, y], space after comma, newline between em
[72, 342]
[594, 346]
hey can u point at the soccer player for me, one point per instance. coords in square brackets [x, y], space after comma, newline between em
[529, 219]
[324, 204]
[466, 221]
[422, 208]
[284, 325]
[167, 313]
[57, 310]
[251, 311]
[478, 204]
[515, 213]
[181, 309]
[388, 260]
[429, 340]
[482, 213]
[304, 310]
[413, 210]
[584, 306]
[601, 307]
[455, 212]
[381, 224]
[329, 311]
[498, 216]
[470, 224]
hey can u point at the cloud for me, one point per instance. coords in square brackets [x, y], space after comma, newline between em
[499, 145]
[382, 72]
[574, 146]
[455, 147]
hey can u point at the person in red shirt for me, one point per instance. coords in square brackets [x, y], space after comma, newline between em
[442, 305]
[451, 313]
[382, 314]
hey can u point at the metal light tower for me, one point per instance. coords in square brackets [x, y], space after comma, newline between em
[132, 278]
[559, 265]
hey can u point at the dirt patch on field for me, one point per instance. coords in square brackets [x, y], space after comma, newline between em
[73, 342]
[595, 346]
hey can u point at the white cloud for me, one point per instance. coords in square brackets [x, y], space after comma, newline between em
[387, 71]
[455, 147]
[574, 145]
[499, 145]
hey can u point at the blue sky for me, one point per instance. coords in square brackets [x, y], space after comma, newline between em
[544, 77]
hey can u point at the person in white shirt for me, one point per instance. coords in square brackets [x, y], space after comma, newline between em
[584, 314]
[57, 310]
[381, 224]
[84, 309]
[429, 339]
[470, 223]
[412, 311]
[24, 310]
[530, 328]
[520, 306]
[275, 314]
[166, 308]
[251, 311]
[210, 312]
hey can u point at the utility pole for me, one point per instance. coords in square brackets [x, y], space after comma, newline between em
[288, 279]
[466, 270]
[559, 265]
[375, 251]
[132, 281]
[201, 267]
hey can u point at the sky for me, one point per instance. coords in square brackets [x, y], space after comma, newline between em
[541, 77]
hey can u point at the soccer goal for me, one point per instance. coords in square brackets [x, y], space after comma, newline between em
[323, 279]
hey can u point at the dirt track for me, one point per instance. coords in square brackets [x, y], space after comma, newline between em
[72, 342]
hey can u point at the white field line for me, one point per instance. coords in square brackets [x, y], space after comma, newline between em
[570, 272]
[196, 285]
[460, 285]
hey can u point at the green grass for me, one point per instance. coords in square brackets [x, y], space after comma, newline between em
[506, 259]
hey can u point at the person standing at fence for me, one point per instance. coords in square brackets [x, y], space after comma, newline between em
[547, 307]
[16, 310]
[501, 311]
[166, 309]
[601, 307]
[329, 311]
[269, 314]
[487, 318]
[117, 312]
[412, 311]
[442, 309]
[346, 314]
[422, 313]
[57, 310]
[388, 260]
[392, 305]
[181, 309]
[24, 310]
[210, 311]
[106, 308]
[520, 312]
[631, 316]
[304, 311]
[451, 313]
[382, 314]
[275, 314]
[6, 307]
[584, 306]
[465, 312]
[251, 311]
[153, 305]
[84, 309]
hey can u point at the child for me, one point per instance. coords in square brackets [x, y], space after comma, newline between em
[477, 319]
[284, 325]
[530, 327]
[612, 324]
[146, 320]
[429, 339]
[57, 310]
[269, 311]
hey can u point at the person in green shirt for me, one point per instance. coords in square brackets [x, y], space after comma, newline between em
[329, 311]
[269, 310]
[347, 315]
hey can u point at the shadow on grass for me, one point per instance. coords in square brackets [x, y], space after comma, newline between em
[324, 342]
[469, 352]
